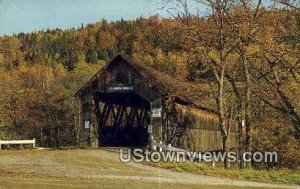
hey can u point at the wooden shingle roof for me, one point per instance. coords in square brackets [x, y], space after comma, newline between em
[190, 93]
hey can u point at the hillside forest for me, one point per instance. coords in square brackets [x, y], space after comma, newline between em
[247, 55]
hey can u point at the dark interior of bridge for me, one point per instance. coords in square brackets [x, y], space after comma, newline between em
[123, 119]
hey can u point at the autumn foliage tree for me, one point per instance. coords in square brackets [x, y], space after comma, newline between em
[247, 50]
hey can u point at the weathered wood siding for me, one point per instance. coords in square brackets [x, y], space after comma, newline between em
[203, 131]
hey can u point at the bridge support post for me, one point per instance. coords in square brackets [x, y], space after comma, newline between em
[93, 123]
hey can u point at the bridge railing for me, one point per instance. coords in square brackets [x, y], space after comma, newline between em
[163, 147]
[159, 146]
[7, 142]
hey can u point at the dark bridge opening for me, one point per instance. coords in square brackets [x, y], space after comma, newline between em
[123, 119]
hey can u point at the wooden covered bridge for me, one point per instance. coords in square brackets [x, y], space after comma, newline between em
[126, 102]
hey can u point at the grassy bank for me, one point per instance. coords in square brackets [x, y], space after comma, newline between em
[271, 176]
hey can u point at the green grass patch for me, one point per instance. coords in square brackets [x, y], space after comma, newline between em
[271, 176]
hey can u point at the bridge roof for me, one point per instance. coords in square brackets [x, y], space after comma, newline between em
[189, 93]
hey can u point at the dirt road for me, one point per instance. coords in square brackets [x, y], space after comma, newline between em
[99, 169]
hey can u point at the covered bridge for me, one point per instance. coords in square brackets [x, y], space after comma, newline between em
[119, 102]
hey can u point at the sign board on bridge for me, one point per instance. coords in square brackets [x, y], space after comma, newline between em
[149, 128]
[120, 88]
[87, 124]
[156, 112]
